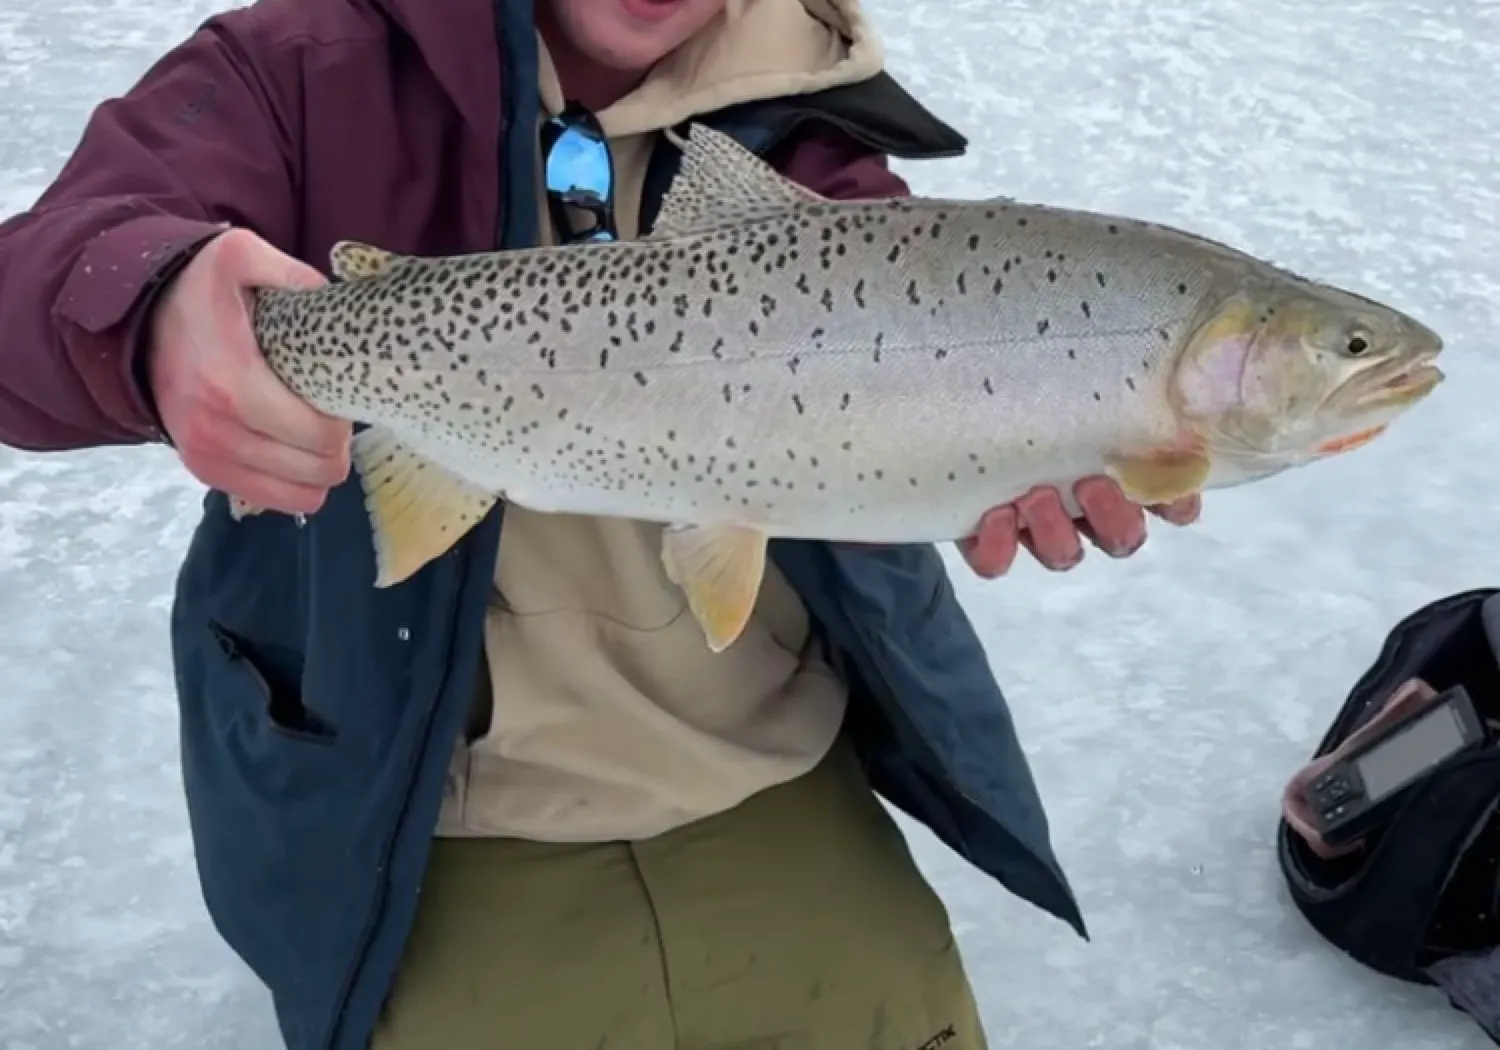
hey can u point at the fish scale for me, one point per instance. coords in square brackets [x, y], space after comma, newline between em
[769, 363]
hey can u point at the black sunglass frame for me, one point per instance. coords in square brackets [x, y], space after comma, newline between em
[597, 202]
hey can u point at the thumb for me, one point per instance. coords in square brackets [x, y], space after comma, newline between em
[256, 264]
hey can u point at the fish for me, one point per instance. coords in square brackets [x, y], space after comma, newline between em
[768, 363]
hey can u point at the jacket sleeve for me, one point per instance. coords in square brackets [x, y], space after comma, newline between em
[194, 147]
[832, 164]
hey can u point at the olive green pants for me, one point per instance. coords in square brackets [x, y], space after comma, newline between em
[796, 921]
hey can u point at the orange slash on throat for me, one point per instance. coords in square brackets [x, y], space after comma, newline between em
[1350, 441]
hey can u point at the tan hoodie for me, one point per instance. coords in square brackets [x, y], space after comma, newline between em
[611, 719]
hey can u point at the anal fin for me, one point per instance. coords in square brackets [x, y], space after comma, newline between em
[1161, 476]
[417, 509]
[719, 568]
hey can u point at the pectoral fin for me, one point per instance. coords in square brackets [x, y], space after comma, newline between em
[1162, 476]
[719, 568]
[417, 509]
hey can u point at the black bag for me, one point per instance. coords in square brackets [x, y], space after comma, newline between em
[1421, 901]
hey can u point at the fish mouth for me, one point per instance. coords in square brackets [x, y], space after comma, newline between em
[1410, 382]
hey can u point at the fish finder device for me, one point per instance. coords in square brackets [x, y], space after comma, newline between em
[1366, 786]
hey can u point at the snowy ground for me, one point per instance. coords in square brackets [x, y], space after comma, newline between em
[1164, 701]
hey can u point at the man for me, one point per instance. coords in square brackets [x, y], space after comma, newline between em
[619, 839]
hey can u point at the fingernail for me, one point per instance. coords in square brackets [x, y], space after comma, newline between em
[1071, 563]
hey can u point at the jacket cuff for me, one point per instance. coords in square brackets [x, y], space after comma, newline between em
[107, 301]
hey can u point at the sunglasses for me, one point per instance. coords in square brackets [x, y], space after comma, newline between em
[579, 171]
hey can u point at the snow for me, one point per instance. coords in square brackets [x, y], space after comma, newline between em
[1163, 700]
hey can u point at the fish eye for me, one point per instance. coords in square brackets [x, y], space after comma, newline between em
[1357, 344]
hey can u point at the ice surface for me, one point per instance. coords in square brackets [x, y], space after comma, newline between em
[1163, 700]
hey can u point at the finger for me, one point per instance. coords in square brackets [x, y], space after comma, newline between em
[269, 408]
[266, 405]
[263, 455]
[1114, 524]
[1180, 512]
[210, 444]
[1050, 533]
[992, 549]
[263, 490]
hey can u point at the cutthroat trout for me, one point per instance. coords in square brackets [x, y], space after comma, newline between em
[769, 363]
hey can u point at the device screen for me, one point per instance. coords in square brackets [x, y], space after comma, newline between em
[1423, 744]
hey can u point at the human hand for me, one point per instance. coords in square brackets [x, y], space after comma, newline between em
[1039, 523]
[235, 425]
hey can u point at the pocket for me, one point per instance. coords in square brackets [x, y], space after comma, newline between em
[282, 708]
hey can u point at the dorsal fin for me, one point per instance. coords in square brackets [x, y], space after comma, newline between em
[721, 183]
[353, 261]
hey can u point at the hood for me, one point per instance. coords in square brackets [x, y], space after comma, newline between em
[755, 49]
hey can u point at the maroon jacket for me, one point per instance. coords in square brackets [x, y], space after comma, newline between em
[305, 121]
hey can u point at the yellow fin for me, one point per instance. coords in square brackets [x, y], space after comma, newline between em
[353, 261]
[720, 183]
[719, 568]
[417, 509]
[1161, 477]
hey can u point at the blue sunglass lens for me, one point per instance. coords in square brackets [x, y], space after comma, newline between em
[579, 163]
